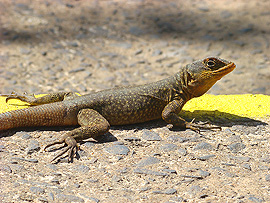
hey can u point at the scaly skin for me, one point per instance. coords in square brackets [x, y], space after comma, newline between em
[126, 105]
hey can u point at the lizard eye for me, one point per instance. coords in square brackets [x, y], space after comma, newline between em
[211, 63]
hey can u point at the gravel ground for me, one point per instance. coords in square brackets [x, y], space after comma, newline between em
[86, 46]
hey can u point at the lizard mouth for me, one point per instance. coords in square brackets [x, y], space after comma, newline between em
[224, 70]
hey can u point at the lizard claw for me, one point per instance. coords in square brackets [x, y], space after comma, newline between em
[198, 127]
[70, 146]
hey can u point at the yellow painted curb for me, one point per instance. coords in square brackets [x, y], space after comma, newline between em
[230, 106]
[246, 105]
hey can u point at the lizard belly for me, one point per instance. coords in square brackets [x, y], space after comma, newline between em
[135, 114]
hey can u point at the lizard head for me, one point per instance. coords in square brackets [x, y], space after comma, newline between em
[203, 74]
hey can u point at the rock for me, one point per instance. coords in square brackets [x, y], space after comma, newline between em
[236, 147]
[116, 178]
[170, 191]
[43, 199]
[255, 199]
[226, 14]
[206, 157]
[89, 144]
[234, 139]
[2, 148]
[81, 169]
[136, 31]
[177, 138]
[138, 52]
[25, 135]
[204, 8]
[32, 160]
[150, 136]
[37, 190]
[68, 198]
[203, 146]
[33, 146]
[157, 52]
[246, 166]
[148, 161]
[149, 172]
[256, 51]
[204, 173]
[26, 197]
[5, 168]
[182, 152]
[246, 29]
[123, 45]
[168, 147]
[117, 150]
[231, 175]
[240, 158]
[194, 190]
[169, 170]
[76, 70]
[25, 51]
[178, 199]
[267, 177]
[73, 44]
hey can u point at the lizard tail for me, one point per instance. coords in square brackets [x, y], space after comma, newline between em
[43, 115]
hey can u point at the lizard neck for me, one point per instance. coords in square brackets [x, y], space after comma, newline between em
[181, 85]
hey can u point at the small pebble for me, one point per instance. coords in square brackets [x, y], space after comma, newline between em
[37, 190]
[149, 172]
[5, 168]
[255, 199]
[148, 161]
[150, 136]
[170, 191]
[246, 166]
[177, 138]
[25, 51]
[236, 147]
[33, 146]
[204, 173]
[182, 152]
[117, 150]
[68, 198]
[203, 146]
[168, 147]
[267, 177]
[81, 169]
[169, 170]
[206, 157]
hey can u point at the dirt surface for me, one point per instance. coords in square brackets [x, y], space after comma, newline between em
[86, 46]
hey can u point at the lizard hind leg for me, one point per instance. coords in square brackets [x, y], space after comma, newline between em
[92, 124]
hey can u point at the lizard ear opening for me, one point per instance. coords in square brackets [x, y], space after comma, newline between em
[189, 78]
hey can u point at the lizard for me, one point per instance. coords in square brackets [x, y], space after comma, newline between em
[96, 112]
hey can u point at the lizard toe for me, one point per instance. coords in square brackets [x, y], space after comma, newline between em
[198, 127]
[70, 146]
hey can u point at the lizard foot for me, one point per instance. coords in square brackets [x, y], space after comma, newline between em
[198, 127]
[70, 146]
[23, 97]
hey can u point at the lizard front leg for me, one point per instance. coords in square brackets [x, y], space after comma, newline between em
[49, 98]
[170, 115]
[92, 124]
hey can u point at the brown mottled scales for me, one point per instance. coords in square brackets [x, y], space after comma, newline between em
[126, 105]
